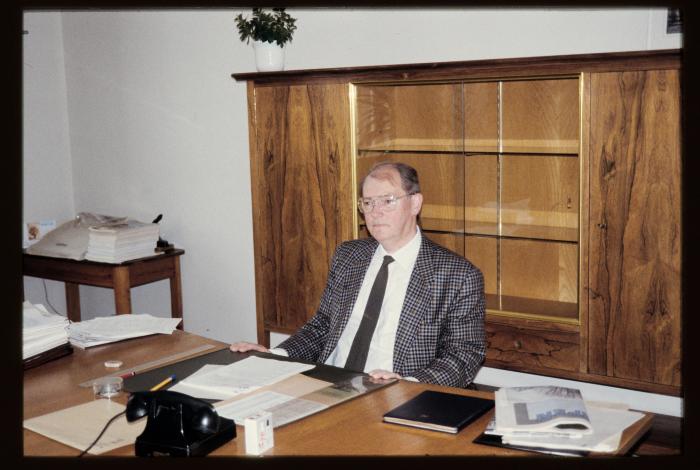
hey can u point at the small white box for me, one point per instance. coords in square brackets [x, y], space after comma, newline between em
[258, 433]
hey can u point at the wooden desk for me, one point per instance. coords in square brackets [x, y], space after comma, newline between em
[119, 277]
[351, 428]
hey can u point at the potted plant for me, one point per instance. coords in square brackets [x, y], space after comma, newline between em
[270, 30]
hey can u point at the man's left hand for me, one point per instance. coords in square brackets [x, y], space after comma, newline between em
[383, 374]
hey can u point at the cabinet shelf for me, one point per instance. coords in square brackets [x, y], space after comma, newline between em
[518, 306]
[534, 233]
[529, 232]
[436, 150]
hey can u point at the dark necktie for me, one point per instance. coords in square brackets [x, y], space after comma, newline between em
[360, 344]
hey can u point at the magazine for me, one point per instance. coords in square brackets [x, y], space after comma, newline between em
[557, 411]
[608, 420]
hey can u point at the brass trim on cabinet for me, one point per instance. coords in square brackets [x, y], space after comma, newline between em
[352, 96]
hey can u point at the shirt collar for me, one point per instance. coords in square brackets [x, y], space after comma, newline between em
[407, 254]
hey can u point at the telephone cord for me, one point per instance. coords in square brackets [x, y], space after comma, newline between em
[111, 420]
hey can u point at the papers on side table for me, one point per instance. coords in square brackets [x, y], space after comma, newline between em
[103, 330]
[41, 330]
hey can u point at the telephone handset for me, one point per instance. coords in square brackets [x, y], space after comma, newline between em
[178, 424]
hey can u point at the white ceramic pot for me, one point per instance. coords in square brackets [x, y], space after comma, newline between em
[269, 57]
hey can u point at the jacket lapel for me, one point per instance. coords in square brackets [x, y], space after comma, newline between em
[351, 284]
[416, 304]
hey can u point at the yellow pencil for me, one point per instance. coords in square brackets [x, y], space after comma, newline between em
[163, 383]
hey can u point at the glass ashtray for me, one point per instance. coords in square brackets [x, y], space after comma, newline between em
[107, 387]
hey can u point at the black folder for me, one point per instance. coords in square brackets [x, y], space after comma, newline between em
[439, 411]
[48, 355]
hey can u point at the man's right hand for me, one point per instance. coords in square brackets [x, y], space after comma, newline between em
[243, 346]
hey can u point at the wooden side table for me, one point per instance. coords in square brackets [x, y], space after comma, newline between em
[120, 277]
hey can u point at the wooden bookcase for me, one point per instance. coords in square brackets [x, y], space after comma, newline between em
[559, 177]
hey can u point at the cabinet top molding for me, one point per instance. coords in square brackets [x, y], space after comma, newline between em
[557, 64]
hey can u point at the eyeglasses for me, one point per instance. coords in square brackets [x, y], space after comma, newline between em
[385, 203]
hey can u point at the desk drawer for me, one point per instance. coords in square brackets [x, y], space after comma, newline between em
[512, 347]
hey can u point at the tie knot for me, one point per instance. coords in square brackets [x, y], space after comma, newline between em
[387, 260]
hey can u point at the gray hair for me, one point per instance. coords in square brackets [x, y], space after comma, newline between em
[408, 175]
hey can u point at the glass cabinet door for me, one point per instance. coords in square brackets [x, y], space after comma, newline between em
[500, 175]
[539, 198]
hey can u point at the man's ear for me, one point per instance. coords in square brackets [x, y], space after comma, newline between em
[416, 203]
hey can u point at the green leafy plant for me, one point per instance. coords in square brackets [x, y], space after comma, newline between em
[267, 26]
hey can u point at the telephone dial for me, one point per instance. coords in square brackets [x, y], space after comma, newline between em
[178, 424]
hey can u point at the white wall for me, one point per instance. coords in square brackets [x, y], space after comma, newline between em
[157, 125]
[47, 166]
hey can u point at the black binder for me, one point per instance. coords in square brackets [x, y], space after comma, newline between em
[48, 355]
[495, 440]
[439, 411]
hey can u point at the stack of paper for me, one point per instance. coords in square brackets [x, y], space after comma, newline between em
[103, 330]
[558, 419]
[123, 242]
[246, 375]
[41, 330]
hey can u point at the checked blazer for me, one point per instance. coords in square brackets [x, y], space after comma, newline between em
[440, 337]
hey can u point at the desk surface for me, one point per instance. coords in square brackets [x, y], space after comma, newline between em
[351, 428]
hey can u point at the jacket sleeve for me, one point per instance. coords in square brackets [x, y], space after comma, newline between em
[461, 344]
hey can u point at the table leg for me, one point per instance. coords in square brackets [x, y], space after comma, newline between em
[122, 289]
[176, 293]
[73, 301]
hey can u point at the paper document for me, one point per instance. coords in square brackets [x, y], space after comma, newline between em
[103, 330]
[78, 426]
[550, 409]
[198, 392]
[284, 408]
[608, 425]
[245, 375]
[41, 330]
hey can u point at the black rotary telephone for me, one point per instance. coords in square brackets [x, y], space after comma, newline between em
[178, 424]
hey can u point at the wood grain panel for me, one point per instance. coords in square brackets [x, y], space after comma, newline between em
[635, 238]
[519, 347]
[541, 116]
[512, 67]
[302, 171]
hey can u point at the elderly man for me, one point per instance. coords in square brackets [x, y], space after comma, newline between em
[396, 305]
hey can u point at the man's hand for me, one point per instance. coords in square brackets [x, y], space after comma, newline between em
[383, 374]
[243, 346]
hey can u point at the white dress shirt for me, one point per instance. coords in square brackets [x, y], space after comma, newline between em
[381, 349]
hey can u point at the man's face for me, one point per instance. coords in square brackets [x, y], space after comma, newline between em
[392, 228]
